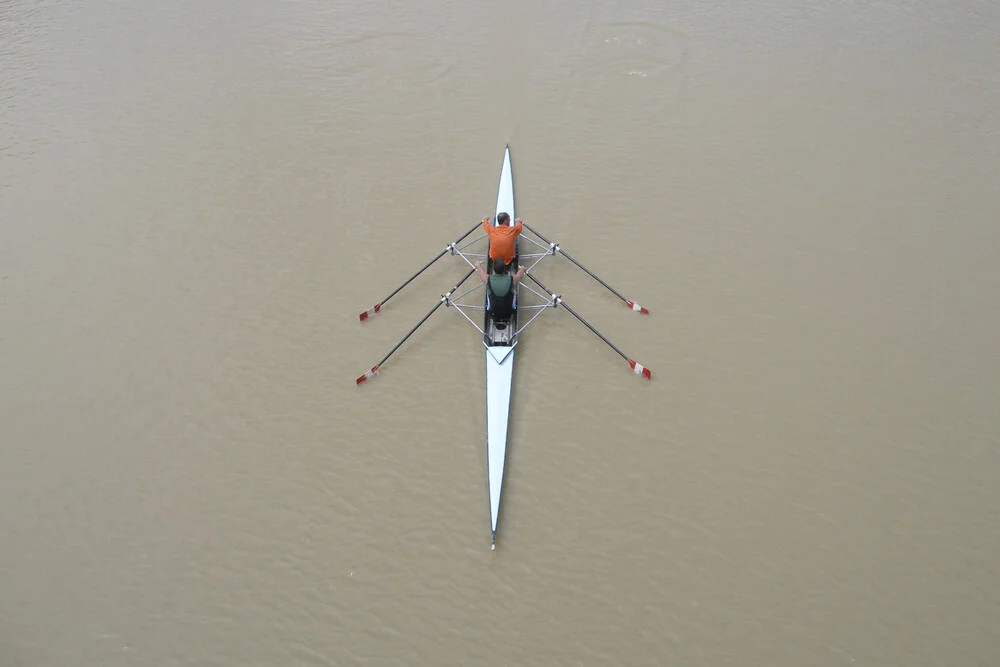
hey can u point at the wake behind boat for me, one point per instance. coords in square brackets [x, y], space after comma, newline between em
[501, 330]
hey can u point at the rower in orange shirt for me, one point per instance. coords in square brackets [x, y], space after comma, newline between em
[502, 237]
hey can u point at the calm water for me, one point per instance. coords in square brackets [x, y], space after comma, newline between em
[197, 201]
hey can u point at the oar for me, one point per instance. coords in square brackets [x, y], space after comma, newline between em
[444, 298]
[636, 367]
[556, 249]
[378, 306]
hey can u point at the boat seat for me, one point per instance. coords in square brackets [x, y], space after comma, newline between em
[501, 333]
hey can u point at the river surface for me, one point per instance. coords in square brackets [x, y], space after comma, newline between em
[197, 200]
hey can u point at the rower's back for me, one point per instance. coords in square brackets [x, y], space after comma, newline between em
[501, 285]
[501, 293]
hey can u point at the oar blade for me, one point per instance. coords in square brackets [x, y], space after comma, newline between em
[640, 370]
[371, 311]
[372, 372]
[636, 307]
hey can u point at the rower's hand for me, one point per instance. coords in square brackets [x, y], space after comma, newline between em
[486, 220]
[521, 268]
[518, 220]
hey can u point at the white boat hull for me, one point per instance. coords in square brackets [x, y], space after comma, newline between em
[499, 376]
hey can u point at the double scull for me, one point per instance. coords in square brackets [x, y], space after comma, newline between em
[500, 336]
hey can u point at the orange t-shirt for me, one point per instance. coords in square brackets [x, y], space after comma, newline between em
[502, 239]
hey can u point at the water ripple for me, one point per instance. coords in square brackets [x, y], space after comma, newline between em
[389, 60]
[629, 65]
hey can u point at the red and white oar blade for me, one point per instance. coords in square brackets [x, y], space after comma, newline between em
[368, 374]
[639, 369]
[371, 311]
[634, 306]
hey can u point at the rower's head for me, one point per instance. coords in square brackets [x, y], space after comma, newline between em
[499, 266]
[503, 218]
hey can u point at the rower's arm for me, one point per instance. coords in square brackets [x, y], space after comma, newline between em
[521, 270]
[482, 274]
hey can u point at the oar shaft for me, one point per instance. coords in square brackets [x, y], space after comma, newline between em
[444, 298]
[439, 304]
[386, 357]
[560, 302]
[377, 307]
[411, 278]
[581, 266]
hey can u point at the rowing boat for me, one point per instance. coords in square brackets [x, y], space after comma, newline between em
[500, 336]
[500, 339]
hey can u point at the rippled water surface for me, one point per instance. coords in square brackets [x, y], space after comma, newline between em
[197, 200]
